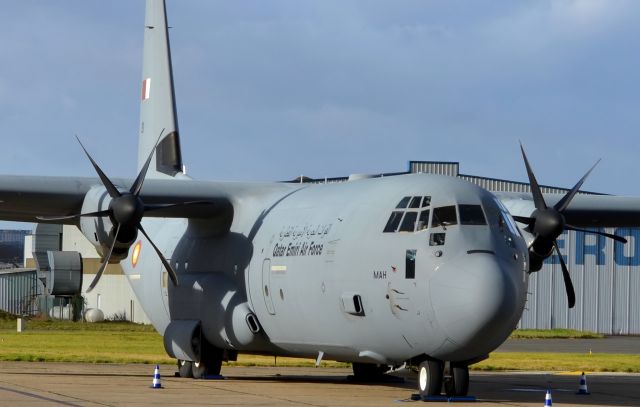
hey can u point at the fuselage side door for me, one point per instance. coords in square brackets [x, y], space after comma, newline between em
[266, 286]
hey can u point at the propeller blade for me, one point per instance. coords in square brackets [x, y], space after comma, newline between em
[538, 199]
[137, 184]
[172, 273]
[105, 212]
[111, 189]
[597, 232]
[103, 266]
[568, 285]
[524, 219]
[566, 200]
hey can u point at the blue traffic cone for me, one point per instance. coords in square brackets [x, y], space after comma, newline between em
[156, 378]
[547, 399]
[583, 385]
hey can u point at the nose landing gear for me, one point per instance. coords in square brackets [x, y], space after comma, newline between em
[434, 374]
[430, 378]
[456, 382]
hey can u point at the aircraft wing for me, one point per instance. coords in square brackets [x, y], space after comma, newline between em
[24, 198]
[584, 210]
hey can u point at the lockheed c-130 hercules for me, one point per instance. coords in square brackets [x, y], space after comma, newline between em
[424, 270]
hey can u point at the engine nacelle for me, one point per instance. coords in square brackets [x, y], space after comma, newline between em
[100, 230]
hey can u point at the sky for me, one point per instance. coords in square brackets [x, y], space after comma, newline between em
[270, 90]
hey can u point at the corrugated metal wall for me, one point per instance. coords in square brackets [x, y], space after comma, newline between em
[19, 291]
[606, 278]
[605, 274]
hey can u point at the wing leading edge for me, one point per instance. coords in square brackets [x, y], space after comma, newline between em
[584, 210]
[25, 198]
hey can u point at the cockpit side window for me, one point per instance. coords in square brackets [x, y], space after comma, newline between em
[409, 222]
[471, 215]
[444, 216]
[426, 201]
[393, 222]
[403, 202]
[506, 218]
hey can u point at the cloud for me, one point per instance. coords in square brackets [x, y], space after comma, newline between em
[328, 88]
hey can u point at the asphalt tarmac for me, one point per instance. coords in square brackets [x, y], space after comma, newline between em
[75, 384]
[609, 344]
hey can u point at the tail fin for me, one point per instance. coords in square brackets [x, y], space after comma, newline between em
[157, 106]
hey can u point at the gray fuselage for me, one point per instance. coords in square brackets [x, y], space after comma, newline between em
[314, 264]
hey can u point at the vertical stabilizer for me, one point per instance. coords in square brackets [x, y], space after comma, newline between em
[157, 106]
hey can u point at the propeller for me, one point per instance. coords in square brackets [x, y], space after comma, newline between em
[126, 210]
[547, 223]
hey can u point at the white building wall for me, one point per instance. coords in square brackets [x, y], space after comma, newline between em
[113, 294]
[74, 240]
[28, 244]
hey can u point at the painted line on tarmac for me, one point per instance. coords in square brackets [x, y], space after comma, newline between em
[39, 397]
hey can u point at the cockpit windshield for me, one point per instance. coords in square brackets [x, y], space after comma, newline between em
[444, 216]
[412, 214]
[471, 215]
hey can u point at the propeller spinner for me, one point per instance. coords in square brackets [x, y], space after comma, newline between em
[547, 223]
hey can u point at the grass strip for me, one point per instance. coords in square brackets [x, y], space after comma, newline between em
[560, 362]
[83, 346]
[554, 334]
[52, 325]
[122, 342]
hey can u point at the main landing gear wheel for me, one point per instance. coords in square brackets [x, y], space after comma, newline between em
[458, 383]
[185, 368]
[210, 363]
[430, 378]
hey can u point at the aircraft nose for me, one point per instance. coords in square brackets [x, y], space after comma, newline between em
[475, 299]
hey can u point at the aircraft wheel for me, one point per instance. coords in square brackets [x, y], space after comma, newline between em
[430, 378]
[458, 383]
[210, 363]
[198, 370]
[185, 368]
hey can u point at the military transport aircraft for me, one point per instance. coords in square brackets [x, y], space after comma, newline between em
[420, 270]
